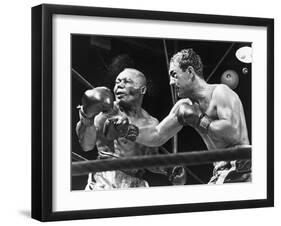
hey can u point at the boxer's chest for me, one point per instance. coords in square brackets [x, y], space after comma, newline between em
[208, 106]
[210, 109]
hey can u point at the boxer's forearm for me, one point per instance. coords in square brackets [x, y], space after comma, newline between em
[87, 136]
[149, 136]
[155, 136]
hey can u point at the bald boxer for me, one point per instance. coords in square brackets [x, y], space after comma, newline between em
[112, 126]
[213, 110]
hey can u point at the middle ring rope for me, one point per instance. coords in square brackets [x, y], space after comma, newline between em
[168, 160]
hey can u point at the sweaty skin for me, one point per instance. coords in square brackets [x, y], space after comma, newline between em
[130, 86]
[129, 89]
[226, 120]
[156, 136]
[228, 127]
[122, 147]
[218, 101]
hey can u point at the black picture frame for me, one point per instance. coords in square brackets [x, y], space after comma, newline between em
[42, 108]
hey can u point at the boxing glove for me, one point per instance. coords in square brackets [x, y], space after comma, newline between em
[94, 101]
[191, 115]
[118, 126]
[188, 114]
[177, 175]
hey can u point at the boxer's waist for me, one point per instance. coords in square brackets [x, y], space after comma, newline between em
[238, 165]
[132, 172]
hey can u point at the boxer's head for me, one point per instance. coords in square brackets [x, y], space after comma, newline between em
[185, 67]
[130, 87]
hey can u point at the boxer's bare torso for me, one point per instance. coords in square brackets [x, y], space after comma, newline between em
[227, 129]
[224, 104]
[123, 147]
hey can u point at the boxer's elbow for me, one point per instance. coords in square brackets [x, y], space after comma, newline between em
[86, 147]
[158, 141]
[236, 134]
[235, 130]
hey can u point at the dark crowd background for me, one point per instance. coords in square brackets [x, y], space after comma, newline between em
[99, 59]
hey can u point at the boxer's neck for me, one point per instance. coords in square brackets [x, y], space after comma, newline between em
[200, 90]
[131, 110]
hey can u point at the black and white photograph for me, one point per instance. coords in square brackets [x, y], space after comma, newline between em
[140, 112]
[151, 112]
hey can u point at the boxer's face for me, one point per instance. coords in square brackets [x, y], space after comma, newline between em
[128, 87]
[181, 80]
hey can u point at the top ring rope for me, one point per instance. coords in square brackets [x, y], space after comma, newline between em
[168, 160]
[81, 79]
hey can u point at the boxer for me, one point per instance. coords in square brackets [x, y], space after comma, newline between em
[213, 110]
[112, 126]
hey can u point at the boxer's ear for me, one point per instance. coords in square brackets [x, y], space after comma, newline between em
[143, 89]
[190, 69]
[192, 72]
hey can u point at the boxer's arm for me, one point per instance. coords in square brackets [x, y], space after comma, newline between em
[87, 135]
[95, 101]
[155, 135]
[227, 105]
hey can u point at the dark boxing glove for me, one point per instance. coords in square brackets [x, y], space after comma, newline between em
[188, 114]
[191, 115]
[94, 101]
[117, 127]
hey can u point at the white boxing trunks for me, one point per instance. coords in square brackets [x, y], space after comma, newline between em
[113, 179]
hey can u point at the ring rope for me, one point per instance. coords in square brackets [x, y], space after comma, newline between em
[81, 79]
[173, 95]
[220, 61]
[77, 157]
[168, 160]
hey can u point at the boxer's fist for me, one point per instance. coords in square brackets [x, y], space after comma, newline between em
[117, 127]
[177, 175]
[94, 101]
[189, 114]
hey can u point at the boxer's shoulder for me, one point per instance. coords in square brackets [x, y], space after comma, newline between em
[149, 119]
[225, 97]
[144, 120]
[221, 89]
